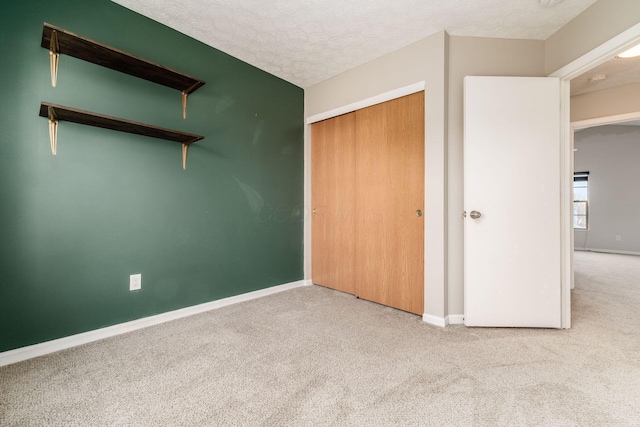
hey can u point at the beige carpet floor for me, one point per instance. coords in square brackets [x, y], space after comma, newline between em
[312, 357]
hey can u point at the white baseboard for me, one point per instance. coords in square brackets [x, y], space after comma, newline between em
[24, 353]
[434, 320]
[607, 251]
[455, 319]
[452, 319]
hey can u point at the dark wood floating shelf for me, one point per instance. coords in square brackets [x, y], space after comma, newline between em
[59, 41]
[56, 113]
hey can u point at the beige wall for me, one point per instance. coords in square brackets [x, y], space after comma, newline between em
[423, 61]
[442, 62]
[605, 103]
[472, 56]
[427, 61]
[601, 22]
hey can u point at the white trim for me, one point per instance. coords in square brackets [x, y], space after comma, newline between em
[601, 54]
[455, 319]
[452, 319]
[307, 204]
[24, 353]
[435, 320]
[586, 62]
[607, 251]
[566, 207]
[569, 217]
[378, 99]
[607, 120]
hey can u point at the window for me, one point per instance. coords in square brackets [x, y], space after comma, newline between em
[581, 200]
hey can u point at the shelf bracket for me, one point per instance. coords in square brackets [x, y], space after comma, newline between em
[184, 104]
[53, 130]
[185, 148]
[185, 94]
[54, 57]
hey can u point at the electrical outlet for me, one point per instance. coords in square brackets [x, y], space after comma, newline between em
[135, 282]
[618, 238]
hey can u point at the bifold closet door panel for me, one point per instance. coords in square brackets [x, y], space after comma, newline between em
[333, 202]
[389, 203]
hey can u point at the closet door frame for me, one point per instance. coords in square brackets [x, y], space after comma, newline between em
[384, 97]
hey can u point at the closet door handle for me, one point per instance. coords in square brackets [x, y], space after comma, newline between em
[419, 212]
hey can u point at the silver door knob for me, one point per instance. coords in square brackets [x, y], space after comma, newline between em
[475, 214]
[419, 212]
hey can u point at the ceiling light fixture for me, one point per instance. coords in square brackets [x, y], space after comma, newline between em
[630, 53]
[549, 3]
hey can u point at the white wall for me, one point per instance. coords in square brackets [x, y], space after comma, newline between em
[611, 155]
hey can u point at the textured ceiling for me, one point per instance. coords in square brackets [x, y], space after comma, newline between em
[617, 72]
[308, 41]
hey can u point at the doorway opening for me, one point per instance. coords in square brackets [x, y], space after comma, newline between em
[607, 243]
[606, 203]
[575, 69]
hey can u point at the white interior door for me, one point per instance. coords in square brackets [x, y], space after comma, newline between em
[512, 179]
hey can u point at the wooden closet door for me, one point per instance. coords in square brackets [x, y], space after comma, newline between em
[333, 202]
[390, 189]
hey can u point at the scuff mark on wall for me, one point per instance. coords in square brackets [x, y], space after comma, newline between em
[256, 202]
[258, 131]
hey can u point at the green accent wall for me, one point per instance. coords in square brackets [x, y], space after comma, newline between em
[74, 226]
